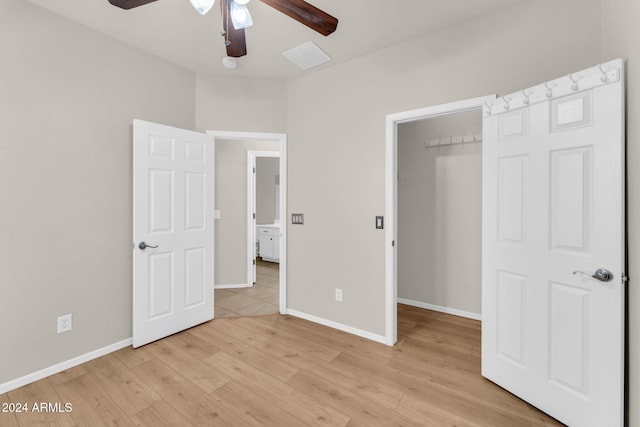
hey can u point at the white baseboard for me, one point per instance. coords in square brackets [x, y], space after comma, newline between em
[335, 325]
[240, 286]
[51, 370]
[455, 312]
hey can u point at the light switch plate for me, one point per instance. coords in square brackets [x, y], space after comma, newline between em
[297, 218]
[379, 222]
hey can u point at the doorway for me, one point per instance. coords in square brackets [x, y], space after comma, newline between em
[392, 171]
[248, 290]
[263, 211]
[440, 213]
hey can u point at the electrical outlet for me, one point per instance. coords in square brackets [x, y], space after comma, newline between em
[64, 323]
[338, 295]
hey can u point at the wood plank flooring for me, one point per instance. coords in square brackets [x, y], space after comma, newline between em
[282, 371]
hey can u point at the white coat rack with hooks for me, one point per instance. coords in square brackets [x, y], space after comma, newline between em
[463, 138]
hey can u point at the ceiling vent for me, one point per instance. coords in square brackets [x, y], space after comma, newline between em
[307, 55]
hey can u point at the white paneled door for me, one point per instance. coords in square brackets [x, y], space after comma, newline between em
[172, 230]
[553, 246]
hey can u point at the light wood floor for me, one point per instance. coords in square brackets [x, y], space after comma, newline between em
[282, 371]
[262, 298]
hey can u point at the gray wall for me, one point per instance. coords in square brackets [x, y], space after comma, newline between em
[440, 214]
[68, 96]
[231, 201]
[240, 104]
[267, 171]
[336, 152]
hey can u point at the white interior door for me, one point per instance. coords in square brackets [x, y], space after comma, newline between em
[553, 203]
[173, 215]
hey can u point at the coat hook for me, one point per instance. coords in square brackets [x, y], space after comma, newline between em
[574, 86]
[603, 78]
[549, 92]
[526, 97]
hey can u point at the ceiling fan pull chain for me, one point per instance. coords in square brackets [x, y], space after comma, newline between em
[223, 32]
[227, 42]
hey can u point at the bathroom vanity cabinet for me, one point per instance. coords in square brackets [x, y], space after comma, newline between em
[269, 242]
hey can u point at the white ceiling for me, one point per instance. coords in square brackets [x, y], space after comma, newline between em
[173, 30]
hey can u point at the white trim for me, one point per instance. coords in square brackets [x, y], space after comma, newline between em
[282, 139]
[447, 310]
[391, 255]
[392, 120]
[264, 153]
[251, 221]
[284, 215]
[338, 326]
[232, 286]
[255, 136]
[59, 367]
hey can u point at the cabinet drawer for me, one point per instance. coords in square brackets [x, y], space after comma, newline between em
[265, 231]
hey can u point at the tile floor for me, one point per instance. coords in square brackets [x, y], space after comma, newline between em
[260, 299]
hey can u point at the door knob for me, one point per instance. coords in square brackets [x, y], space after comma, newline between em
[601, 274]
[144, 246]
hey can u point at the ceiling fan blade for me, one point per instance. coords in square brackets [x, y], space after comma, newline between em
[129, 4]
[306, 14]
[238, 46]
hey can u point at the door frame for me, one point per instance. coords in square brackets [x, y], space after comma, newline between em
[391, 254]
[281, 138]
[252, 156]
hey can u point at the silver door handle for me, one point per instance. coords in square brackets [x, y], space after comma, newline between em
[144, 246]
[601, 274]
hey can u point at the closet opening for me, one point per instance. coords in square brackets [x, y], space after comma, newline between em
[434, 211]
[440, 213]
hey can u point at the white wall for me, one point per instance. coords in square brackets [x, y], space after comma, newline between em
[336, 127]
[68, 96]
[621, 39]
[440, 214]
[231, 201]
[267, 172]
[240, 104]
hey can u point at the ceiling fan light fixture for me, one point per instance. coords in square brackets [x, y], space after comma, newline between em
[202, 6]
[240, 16]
